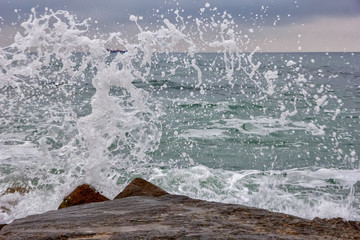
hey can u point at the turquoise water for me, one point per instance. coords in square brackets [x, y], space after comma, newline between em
[234, 127]
[279, 131]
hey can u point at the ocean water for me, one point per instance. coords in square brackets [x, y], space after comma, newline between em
[279, 131]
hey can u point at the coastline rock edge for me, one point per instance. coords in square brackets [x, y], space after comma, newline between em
[173, 217]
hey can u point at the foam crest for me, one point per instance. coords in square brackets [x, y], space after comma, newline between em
[301, 192]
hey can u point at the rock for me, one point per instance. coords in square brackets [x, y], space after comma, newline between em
[20, 190]
[9, 202]
[172, 217]
[338, 222]
[2, 225]
[82, 194]
[141, 187]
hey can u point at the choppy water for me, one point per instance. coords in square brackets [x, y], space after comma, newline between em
[279, 131]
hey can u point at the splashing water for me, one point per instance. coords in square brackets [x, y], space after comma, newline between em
[231, 126]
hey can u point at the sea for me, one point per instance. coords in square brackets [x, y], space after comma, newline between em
[278, 131]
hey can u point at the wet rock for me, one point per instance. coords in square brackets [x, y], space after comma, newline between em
[20, 190]
[338, 223]
[9, 200]
[82, 194]
[173, 217]
[141, 187]
[2, 225]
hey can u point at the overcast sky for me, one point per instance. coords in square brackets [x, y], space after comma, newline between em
[276, 25]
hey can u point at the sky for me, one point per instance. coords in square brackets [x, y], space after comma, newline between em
[272, 25]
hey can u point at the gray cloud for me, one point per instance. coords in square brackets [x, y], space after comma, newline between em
[112, 11]
[247, 13]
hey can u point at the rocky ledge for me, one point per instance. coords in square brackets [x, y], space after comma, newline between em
[144, 211]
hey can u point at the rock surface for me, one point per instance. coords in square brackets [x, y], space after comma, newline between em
[82, 194]
[2, 225]
[141, 187]
[173, 217]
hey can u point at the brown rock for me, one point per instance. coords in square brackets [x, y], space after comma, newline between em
[141, 187]
[7, 205]
[174, 217]
[82, 194]
[338, 223]
[21, 190]
[2, 225]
